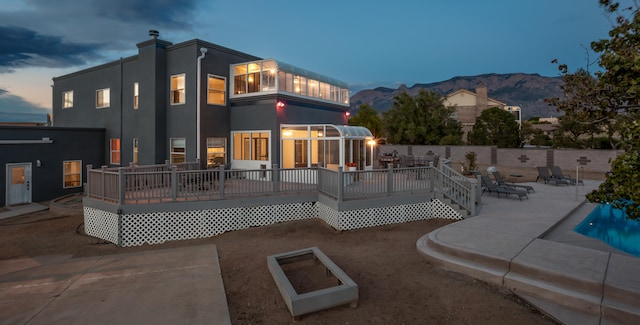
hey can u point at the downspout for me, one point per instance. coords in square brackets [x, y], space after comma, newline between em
[203, 50]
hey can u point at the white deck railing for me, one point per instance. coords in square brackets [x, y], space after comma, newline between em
[164, 183]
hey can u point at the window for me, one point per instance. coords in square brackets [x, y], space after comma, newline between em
[103, 98]
[269, 76]
[135, 95]
[216, 90]
[216, 152]
[251, 145]
[135, 151]
[177, 89]
[115, 151]
[72, 173]
[67, 99]
[178, 151]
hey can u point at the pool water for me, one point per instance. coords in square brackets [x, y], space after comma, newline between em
[612, 226]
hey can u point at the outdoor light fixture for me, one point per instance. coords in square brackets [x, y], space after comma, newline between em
[372, 142]
[280, 104]
[347, 114]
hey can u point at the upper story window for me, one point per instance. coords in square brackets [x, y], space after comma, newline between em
[216, 90]
[177, 89]
[136, 88]
[103, 98]
[270, 76]
[67, 99]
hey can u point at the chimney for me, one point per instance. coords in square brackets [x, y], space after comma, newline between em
[154, 34]
[482, 100]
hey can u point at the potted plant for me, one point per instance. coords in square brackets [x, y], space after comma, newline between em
[351, 166]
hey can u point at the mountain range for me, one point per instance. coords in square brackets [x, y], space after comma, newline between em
[514, 89]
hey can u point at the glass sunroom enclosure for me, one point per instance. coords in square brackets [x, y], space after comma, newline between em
[326, 145]
[270, 76]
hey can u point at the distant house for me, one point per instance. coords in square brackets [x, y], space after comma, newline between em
[470, 105]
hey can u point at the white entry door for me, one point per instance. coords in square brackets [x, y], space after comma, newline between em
[18, 183]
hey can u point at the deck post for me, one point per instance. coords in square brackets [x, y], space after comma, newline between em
[221, 180]
[340, 184]
[174, 182]
[275, 177]
[432, 176]
[102, 182]
[121, 185]
[472, 200]
[389, 179]
[87, 185]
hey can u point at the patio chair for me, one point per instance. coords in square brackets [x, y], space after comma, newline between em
[557, 173]
[490, 187]
[500, 181]
[543, 173]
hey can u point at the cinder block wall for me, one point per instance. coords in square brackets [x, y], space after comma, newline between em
[588, 160]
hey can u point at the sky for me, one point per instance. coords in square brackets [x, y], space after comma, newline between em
[363, 43]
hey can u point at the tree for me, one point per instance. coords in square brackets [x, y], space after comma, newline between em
[368, 117]
[584, 111]
[422, 119]
[616, 90]
[497, 127]
[532, 135]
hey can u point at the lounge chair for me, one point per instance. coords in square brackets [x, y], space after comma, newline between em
[500, 181]
[557, 173]
[490, 187]
[543, 173]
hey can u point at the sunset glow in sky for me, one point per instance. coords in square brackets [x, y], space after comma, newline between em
[366, 44]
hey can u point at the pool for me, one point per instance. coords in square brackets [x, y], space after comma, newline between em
[612, 226]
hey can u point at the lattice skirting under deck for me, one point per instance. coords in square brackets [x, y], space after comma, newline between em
[159, 227]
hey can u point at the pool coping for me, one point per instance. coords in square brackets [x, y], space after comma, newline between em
[504, 245]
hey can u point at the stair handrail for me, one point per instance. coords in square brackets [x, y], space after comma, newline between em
[458, 188]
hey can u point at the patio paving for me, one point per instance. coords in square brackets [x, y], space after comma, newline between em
[171, 286]
[529, 248]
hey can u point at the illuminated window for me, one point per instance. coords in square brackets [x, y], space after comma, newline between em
[115, 151]
[216, 152]
[135, 151]
[103, 98]
[269, 73]
[270, 76]
[72, 171]
[240, 79]
[67, 99]
[251, 145]
[178, 151]
[177, 89]
[216, 90]
[135, 95]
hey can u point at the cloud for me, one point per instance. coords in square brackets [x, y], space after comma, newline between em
[16, 109]
[22, 47]
[66, 33]
[164, 13]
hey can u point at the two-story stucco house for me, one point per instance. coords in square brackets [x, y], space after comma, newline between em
[198, 101]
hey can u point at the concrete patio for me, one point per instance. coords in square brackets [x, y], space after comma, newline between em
[529, 248]
[171, 286]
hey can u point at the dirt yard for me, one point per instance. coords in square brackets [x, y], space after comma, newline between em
[396, 284]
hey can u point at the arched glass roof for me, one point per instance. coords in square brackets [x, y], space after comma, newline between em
[349, 131]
